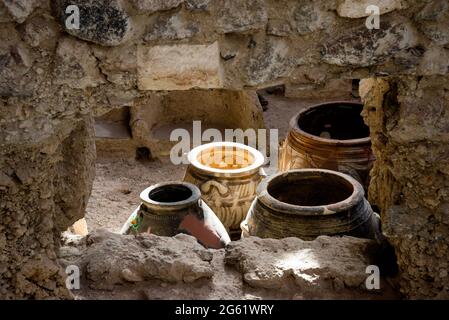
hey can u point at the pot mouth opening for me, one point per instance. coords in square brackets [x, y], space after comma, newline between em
[170, 193]
[334, 121]
[226, 157]
[310, 192]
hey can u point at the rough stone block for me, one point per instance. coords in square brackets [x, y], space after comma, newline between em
[308, 17]
[409, 132]
[76, 67]
[240, 16]
[136, 258]
[332, 89]
[197, 5]
[150, 6]
[20, 9]
[179, 67]
[16, 60]
[101, 21]
[269, 61]
[314, 266]
[363, 47]
[172, 27]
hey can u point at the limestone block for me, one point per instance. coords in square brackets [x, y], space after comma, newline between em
[172, 27]
[362, 47]
[179, 67]
[326, 263]
[308, 17]
[5, 16]
[154, 118]
[150, 6]
[357, 8]
[409, 133]
[20, 9]
[269, 61]
[80, 227]
[76, 66]
[48, 182]
[332, 89]
[135, 258]
[101, 21]
[41, 32]
[240, 16]
[197, 5]
[16, 60]
[278, 27]
[437, 32]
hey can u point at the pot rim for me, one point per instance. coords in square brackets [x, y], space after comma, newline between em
[259, 159]
[350, 142]
[149, 203]
[327, 209]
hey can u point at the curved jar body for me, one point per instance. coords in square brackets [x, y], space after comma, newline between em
[175, 207]
[307, 203]
[227, 174]
[329, 136]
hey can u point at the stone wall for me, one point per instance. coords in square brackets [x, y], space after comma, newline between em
[54, 80]
[153, 267]
[409, 121]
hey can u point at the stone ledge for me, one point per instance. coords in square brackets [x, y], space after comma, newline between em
[179, 67]
[252, 268]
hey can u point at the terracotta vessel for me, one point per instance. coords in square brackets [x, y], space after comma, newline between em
[175, 207]
[329, 136]
[227, 174]
[307, 203]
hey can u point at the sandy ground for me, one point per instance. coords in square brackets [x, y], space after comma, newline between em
[118, 182]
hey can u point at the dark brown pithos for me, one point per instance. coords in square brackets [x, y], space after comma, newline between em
[307, 203]
[329, 136]
[175, 207]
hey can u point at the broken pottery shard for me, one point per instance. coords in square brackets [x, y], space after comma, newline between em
[179, 67]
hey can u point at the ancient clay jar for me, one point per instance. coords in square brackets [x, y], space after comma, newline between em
[227, 174]
[175, 207]
[307, 203]
[329, 136]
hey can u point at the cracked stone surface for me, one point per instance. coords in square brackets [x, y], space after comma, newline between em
[247, 269]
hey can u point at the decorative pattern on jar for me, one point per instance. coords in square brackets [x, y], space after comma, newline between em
[227, 174]
[329, 136]
[307, 203]
[175, 207]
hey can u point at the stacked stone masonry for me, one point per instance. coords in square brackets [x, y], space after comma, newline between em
[54, 80]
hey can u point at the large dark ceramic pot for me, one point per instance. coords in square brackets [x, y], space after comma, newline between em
[329, 136]
[175, 207]
[307, 203]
